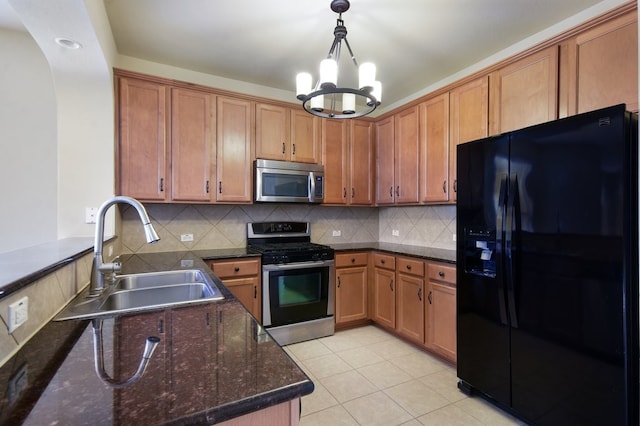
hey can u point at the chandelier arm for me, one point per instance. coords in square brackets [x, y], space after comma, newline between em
[353, 57]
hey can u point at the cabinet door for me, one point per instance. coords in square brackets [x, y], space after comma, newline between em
[385, 153]
[142, 139]
[384, 304]
[351, 294]
[410, 307]
[335, 154]
[305, 137]
[468, 121]
[272, 132]
[434, 149]
[525, 93]
[606, 62]
[361, 162]
[247, 290]
[441, 320]
[192, 145]
[407, 157]
[233, 159]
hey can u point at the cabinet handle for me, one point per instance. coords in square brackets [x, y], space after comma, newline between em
[294, 149]
[441, 274]
[207, 187]
[420, 294]
[430, 298]
[161, 184]
[353, 260]
[398, 191]
[236, 269]
[255, 291]
[382, 261]
[283, 147]
[409, 267]
[338, 282]
[344, 193]
[444, 186]
[353, 192]
[391, 191]
[455, 185]
[220, 187]
[391, 285]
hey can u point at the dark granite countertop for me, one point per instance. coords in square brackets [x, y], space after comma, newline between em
[214, 362]
[427, 253]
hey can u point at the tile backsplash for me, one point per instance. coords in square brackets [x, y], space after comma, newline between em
[224, 226]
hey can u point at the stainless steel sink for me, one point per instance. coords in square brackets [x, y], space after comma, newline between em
[140, 292]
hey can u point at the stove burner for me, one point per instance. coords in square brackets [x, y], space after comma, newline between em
[285, 242]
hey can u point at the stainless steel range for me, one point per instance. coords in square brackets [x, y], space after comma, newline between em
[297, 281]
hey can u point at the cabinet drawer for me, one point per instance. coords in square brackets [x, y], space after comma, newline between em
[441, 272]
[385, 261]
[235, 268]
[351, 259]
[407, 265]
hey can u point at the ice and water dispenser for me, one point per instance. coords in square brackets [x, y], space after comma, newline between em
[480, 252]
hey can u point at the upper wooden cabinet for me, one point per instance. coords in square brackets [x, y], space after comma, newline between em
[385, 153]
[234, 150]
[525, 92]
[142, 122]
[601, 67]
[468, 121]
[287, 134]
[434, 149]
[361, 158]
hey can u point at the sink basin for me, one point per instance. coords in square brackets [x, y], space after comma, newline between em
[140, 292]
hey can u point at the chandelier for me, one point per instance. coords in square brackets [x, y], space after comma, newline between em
[328, 100]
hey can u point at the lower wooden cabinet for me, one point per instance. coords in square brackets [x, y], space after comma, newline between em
[242, 278]
[351, 287]
[410, 298]
[440, 316]
[384, 290]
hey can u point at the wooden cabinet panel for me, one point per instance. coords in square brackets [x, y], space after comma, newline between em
[387, 261]
[407, 156]
[468, 121]
[525, 92]
[234, 150]
[142, 136]
[343, 260]
[272, 132]
[434, 149]
[411, 266]
[384, 294]
[385, 154]
[410, 307]
[335, 157]
[192, 145]
[305, 137]
[243, 278]
[351, 294]
[360, 162]
[604, 66]
[441, 310]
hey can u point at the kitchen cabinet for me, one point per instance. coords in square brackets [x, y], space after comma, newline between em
[287, 134]
[242, 278]
[134, 403]
[410, 298]
[142, 149]
[441, 310]
[602, 67]
[468, 121]
[351, 287]
[524, 92]
[434, 149]
[398, 161]
[384, 290]
[192, 145]
[234, 150]
[361, 158]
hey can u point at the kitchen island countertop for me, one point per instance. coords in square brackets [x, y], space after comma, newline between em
[214, 362]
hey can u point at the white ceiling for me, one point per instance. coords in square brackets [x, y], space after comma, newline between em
[414, 43]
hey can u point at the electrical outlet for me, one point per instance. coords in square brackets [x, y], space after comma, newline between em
[186, 263]
[18, 313]
[337, 233]
[90, 214]
[186, 237]
[395, 233]
[454, 237]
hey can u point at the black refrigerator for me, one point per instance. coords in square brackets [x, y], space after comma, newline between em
[547, 270]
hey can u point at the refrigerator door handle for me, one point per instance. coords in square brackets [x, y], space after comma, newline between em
[511, 225]
[502, 195]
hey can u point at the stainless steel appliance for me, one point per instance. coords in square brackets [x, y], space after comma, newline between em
[288, 182]
[297, 281]
[547, 270]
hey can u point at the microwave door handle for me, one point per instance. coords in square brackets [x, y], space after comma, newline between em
[312, 187]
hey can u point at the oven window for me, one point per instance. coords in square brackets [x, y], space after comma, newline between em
[299, 289]
[285, 185]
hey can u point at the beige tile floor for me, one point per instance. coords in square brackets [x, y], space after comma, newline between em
[366, 376]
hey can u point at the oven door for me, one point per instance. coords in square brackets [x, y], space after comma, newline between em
[297, 292]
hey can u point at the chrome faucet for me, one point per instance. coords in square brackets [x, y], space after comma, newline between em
[99, 269]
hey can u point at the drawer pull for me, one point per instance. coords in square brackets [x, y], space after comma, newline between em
[236, 269]
[441, 274]
[353, 260]
[382, 261]
[409, 267]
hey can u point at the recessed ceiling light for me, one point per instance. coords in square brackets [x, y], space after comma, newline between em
[67, 43]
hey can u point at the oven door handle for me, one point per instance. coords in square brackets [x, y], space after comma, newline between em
[297, 265]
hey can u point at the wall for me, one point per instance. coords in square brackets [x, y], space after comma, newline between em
[28, 144]
[221, 226]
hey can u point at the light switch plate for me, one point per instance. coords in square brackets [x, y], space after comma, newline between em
[18, 313]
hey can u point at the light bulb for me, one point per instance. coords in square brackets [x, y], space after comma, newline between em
[348, 103]
[367, 75]
[317, 103]
[303, 84]
[328, 73]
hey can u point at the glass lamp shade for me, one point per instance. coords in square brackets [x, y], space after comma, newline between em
[377, 91]
[328, 73]
[303, 83]
[367, 75]
[348, 103]
[317, 103]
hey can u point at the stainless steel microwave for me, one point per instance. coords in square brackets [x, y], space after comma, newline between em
[288, 182]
